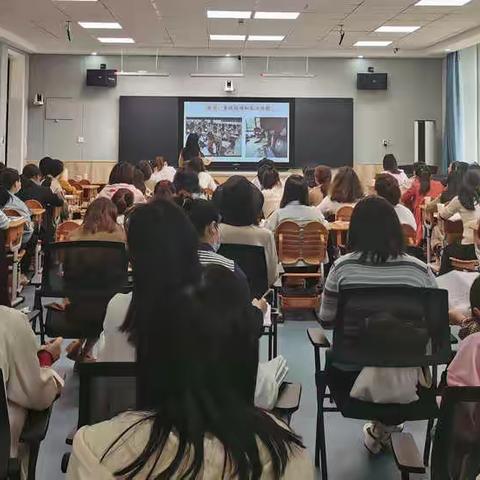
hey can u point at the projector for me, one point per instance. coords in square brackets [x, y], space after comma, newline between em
[228, 87]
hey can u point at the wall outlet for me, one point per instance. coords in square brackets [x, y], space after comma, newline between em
[386, 142]
[80, 140]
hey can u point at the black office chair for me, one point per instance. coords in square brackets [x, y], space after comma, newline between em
[251, 259]
[456, 445]
[88, 274]
[388, 327]
[109, 388]
[33, 433]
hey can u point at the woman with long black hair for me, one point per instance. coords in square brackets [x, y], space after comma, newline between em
[466, 204]
[191, 151]
[197, 357]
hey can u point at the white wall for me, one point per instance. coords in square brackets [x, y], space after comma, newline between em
[469, 63]
[415, 92]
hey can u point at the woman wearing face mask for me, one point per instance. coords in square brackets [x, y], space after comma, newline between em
[205, 218]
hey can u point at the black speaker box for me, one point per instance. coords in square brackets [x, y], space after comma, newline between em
[101, 78]
[372, 81]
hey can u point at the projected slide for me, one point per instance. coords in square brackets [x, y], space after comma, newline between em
[240, 131]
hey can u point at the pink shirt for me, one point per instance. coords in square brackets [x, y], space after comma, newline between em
[110, 190]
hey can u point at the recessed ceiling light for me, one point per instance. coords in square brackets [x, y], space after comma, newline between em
[360, 56]
[276, 15]
[442, 3]
[115, 40]
[372, 43]
[93, 53]
[396, 29]
[266, 38]
[238, 38]
[101, 25]
[229, 14]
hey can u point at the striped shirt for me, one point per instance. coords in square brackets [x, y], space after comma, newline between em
[349, 271]
[4, 221]
[208, 257]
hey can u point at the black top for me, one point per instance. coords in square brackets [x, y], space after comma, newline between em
[32, 191]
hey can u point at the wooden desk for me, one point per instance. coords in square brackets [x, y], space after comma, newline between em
[37, 214]
[339, 226]
[13, 244]
[90, 192]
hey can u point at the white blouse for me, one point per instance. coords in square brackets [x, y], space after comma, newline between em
[294, 211]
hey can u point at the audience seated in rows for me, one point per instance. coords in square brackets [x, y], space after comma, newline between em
[294, 205]
[423, 189]
[240, 204]
[272, 190]
[161, 171]
[465, 204]
[122, 176]
[387, 187]
[123, 200]
[346, 190]
[377, 258]
[30, 383]
[390, 167]
[196, 376]
[205, 180]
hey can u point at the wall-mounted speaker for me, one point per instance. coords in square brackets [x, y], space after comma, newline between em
[101, 78]
[372, 81]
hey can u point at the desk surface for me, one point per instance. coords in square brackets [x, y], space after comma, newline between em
[339, 225]
[16, 222]
[37, 211]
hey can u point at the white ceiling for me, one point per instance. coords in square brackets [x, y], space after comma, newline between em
[181, 27]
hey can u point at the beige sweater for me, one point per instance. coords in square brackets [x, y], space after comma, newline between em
[469, 218]
[28, 386]
[90, 444]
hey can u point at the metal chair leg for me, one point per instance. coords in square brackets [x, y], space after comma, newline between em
[428, 443]
[320, 444]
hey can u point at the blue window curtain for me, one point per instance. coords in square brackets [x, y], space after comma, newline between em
[452, 141]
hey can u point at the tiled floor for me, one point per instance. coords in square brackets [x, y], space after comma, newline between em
[347, 457]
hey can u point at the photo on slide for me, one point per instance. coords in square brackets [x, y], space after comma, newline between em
[218, 137]
[266, 137]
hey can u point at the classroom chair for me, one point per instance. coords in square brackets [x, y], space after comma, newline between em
[65, 229]
[4, 296]
[456, 442]
[251, 259]
[33, 433]
[109, 388]
[38, 220]
[465, 265]
[344, 214]
[388, 327]
[410, 235]
[302, 250]
[453, 231]
[88, 274]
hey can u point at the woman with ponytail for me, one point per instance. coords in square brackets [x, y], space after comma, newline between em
[422, 187]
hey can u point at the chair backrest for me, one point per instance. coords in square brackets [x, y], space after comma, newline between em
[392, 326]
[409, 234]
[4, 284]
[106, 389]
[456, 446]
[251, 259]
[65, 229]
[84, 181]
[307, 243]
[33, 204]
[75, 184]
[4, 430]
[84, 268]
[13, 239]
[453, 230]
[344, 213]
[465, 265]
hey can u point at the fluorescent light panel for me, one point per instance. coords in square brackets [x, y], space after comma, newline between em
[276, 15]
[373, 43]
[115, 40]
[238, 38]
[442, 3]
[229, 14]
[101, 25]
[266, 38]
[396, 29]
[61, 1]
